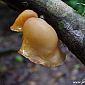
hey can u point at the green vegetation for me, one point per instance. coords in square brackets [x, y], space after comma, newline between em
[78, 5]
[77, 66]
[61, 25]
[18, 58]
[3, 68]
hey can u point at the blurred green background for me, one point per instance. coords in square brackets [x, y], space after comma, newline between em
[78, 5]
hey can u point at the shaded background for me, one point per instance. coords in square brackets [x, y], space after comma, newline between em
[17, 70]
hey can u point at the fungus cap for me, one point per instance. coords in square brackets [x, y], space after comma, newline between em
[40, 42]
[19, 22]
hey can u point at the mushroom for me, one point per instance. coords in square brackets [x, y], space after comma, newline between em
[40, 41]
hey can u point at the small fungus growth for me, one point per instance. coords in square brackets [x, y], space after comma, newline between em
[40, 41]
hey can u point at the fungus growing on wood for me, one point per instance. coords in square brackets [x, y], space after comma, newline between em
[40, 41]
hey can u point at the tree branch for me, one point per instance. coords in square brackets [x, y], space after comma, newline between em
[69, 25]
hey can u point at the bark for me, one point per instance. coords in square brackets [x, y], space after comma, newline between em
[69, 25]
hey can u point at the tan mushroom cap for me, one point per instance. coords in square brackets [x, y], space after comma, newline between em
[40, 43]
[19, 22]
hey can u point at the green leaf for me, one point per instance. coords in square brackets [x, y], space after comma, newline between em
[18, 59]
